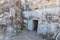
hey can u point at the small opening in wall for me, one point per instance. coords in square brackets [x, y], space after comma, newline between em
[35, 25]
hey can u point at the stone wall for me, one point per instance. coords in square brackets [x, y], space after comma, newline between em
[48, 19]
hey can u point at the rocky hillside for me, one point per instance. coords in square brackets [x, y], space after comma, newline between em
[10, 14]
[11, 10]
[38, 4]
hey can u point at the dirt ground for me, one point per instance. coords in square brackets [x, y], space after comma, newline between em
[27, 35]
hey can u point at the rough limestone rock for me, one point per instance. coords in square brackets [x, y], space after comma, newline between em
[39, 4]
[44, 11]
[10, 12]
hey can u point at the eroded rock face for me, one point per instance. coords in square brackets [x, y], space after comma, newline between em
[45, 11]
[39, 4]
[10, 12]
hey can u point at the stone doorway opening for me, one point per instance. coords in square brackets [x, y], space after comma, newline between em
[35, 25]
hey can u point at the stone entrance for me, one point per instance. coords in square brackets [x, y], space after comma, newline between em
[35, 25]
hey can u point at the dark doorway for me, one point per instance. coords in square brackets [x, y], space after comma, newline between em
[35, 25]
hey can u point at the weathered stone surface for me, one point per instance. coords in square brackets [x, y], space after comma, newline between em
[39, 4]
[10, 12]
